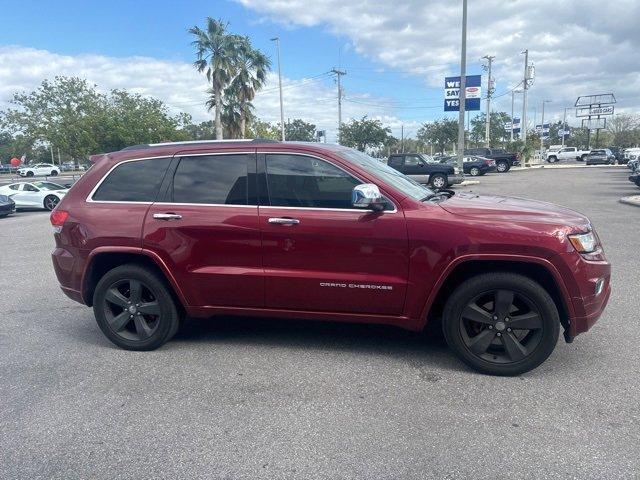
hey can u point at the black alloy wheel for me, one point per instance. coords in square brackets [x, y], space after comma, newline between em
[29, 174]
[53, 173]
[50, 202]
[135, 308]
[501, 323]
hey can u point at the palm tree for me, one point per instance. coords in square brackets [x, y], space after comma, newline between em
[251, 75]
[218, 53]
[234, 112]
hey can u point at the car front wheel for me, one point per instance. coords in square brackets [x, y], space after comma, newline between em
[134, 308]
[501, 323]
[29, 174]
[53, 173]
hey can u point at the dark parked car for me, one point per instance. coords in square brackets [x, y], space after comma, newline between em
[425, 169]
[618, 153]
[472, 165]
[504, 160]
[7, 206]
[318, 231]
[601, 157]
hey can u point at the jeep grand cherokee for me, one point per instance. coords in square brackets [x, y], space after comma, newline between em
[314, 231]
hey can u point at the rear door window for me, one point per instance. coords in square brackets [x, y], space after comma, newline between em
[212, 180]
[396, 162]
[135, 181]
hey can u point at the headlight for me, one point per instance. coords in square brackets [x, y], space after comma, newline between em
[584, 242]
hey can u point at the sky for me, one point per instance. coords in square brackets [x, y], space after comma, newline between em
[396, 54]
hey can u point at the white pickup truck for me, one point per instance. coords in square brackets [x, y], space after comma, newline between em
[566, 153]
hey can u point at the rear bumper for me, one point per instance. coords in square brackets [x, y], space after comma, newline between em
[455, 179]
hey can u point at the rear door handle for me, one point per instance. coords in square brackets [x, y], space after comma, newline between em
[283, 221]
[167, 216]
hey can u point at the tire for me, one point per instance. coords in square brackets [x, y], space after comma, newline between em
[552, 158]
[493, 347]
[53, 173]
[29, 174]
[438, 180]
[50, 202]
[502, 167]
[583, 158]
[115, 305]
[474, 172]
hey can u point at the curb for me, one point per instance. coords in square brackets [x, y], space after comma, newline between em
[464, 183]
[632, 200]
[561, 167]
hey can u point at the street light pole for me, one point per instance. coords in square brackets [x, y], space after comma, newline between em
[542, 126]
[277, 40]
[564, 124]
[463, 87]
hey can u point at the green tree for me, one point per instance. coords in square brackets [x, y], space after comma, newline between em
[364, 133]
[218, 55]
[250, 76]
[498, 131]
[259, 129]
[624, 130]
[300, 131]
[65, 112]
[440, 133]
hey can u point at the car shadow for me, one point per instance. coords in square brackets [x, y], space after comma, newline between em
[420, 349]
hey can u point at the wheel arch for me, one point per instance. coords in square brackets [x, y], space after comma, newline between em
[538, 269]
[102, 260]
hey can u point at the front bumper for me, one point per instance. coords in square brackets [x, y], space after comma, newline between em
[7, 208]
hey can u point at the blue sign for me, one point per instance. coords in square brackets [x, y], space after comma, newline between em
[473, 89]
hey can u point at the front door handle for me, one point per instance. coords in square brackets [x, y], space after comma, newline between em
[284, 221]
[167, 216]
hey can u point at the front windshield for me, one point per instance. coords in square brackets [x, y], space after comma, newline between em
[48, 186]
[387, 174]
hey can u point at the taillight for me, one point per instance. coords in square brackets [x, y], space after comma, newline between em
[57, 218]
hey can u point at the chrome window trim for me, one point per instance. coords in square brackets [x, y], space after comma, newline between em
[205, 204]
[267, 152]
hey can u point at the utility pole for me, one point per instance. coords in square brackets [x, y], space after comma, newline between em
[525, 83]
[487, 127]
[402, 137]
[53, 162]
[542, 126]
[463, 88]
[513, 92]
[277, 40]
[339, 73]
[564, 124]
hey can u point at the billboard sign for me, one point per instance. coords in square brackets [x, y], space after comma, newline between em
[594, 123]
[543, 130]
[473, 91]
[594, 110]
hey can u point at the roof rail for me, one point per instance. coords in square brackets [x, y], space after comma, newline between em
[198, 142]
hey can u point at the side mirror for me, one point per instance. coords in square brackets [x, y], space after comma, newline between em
[367, 195]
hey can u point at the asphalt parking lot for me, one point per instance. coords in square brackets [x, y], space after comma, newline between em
[246, 398]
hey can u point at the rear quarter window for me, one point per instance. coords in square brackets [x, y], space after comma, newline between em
[135, 181]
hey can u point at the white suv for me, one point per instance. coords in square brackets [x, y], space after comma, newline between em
[40, 169]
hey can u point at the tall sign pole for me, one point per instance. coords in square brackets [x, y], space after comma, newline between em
[525, 83]
[463, 87]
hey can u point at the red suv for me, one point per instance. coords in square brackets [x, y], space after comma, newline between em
[306, 230]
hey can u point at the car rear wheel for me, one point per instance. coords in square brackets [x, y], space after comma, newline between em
[501, 323]
[50, 202]
[502, 167]
[135, 309]
[438, 180]
[475, 171]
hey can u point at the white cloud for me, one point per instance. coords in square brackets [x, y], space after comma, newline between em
[578, 46]
[181, 87]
